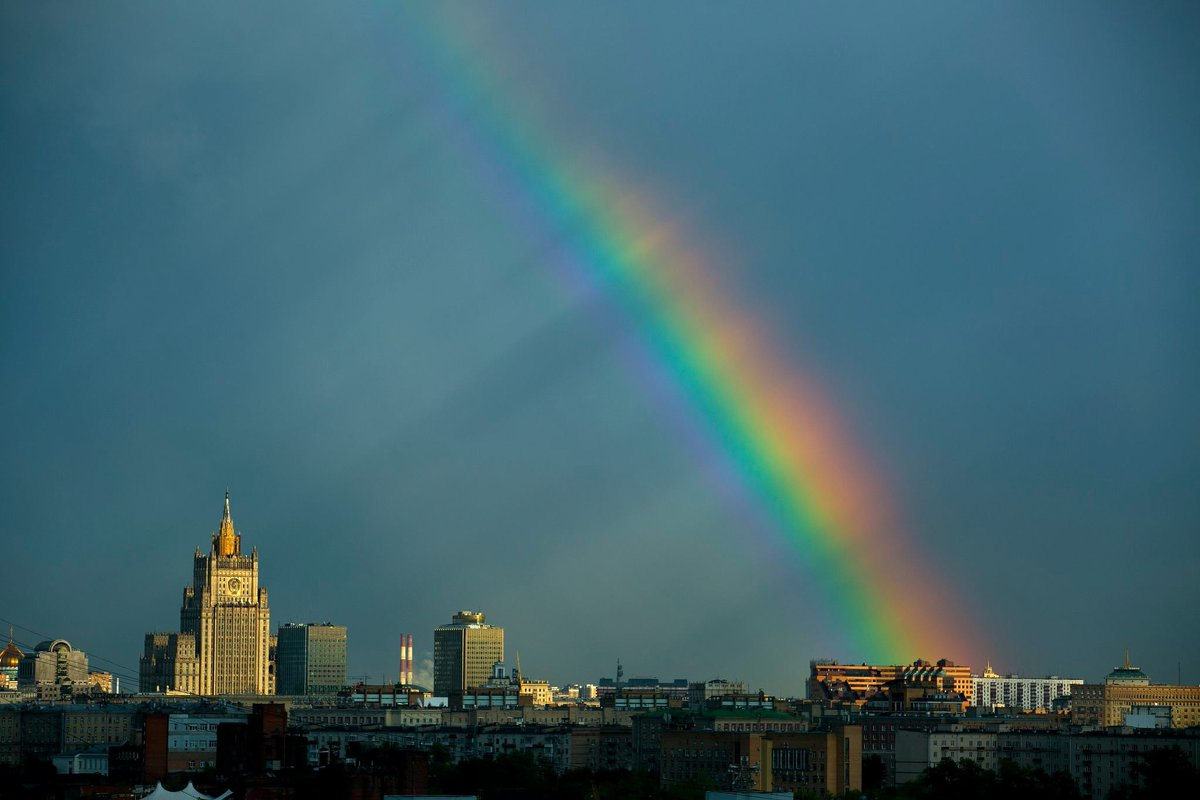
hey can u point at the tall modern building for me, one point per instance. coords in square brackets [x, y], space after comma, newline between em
[310, 659]
[226, 617]
[464, 652]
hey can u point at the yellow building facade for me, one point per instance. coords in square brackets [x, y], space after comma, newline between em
[1106, 704]
[464, 652]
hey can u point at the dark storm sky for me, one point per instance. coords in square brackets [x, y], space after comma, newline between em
[243, 248]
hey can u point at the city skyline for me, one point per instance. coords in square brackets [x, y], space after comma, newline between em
[425, 671]
[709, 340]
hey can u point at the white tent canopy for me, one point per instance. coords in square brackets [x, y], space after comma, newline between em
[188, 792]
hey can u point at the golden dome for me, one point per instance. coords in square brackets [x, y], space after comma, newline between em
[11, 655]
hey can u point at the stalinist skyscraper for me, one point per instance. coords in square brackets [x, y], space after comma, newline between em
[227, 613]
[224, 640]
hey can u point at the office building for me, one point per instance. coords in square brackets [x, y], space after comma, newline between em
[310, 659]
[464, 652]
[51, 667]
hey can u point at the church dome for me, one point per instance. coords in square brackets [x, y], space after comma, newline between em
[11, 655]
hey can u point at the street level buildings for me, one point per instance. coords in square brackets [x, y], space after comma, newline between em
[311, 659]
[1098, 761]
[818, 762]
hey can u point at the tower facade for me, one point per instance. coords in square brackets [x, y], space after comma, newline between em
[226, 612]
[464, 652]
[310, 659]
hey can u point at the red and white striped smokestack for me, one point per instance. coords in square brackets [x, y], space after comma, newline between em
[406, 658]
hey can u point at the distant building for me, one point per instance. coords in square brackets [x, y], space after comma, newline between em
[311, 659]
[677, 691]
[386, 695]
[10, 662]
[489, 697]
[464, 652]
[92, 761]
[828, 679]
[628, 697]
[41, 731]
[1015, 692]
[817, 762]
[53, 667]
[103, 682]
[1098, 762]
[600, 748]
[192, 737]
[1127, 687]
[533, 693]
[700, 693]
[226, 615]
[169, 664]
[1152, 717]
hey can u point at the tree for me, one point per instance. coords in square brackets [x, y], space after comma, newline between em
[1166, 772]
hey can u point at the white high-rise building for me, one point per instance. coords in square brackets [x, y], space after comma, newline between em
[1015, 692]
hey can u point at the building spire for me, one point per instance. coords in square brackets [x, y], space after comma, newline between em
[228, 542]
[1127, 665]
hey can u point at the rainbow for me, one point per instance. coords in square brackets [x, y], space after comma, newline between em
[770, 426]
